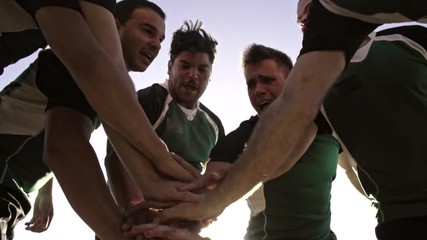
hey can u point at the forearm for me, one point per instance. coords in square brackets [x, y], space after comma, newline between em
[273, 139]
[135, 163]
[69, 154]
[304, 142]
[262, 157]
[96, 64]
[122, 186]
[80, 192]
[46, 190]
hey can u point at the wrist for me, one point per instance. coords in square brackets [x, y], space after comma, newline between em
[131, 206]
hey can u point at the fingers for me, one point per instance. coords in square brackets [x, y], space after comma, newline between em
[143, 213]
[207, 222]
[38, 224]
[186, 165]
[162, 231]
[208, 207]
[139, 229]
[174, 195]
[207, 180]
[184, 196]
[151, 204]
[215, 172]
[126, 225]
[180, 211]
[40, 221]
[173, 170]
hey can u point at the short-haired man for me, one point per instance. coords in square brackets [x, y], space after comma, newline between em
[141, 29]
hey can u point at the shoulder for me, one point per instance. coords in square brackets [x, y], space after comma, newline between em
[209, 112]
[415, 33]
[326, 30]
[245, 128]
[152, 99]
[214, 117]
[153, 91]
[251, 122]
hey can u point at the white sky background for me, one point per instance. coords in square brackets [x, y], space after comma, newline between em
[234, 24]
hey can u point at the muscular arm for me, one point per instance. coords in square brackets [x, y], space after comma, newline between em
[122, 186]
[291, 114]
[329, 42]
[96, 63]
[153, 186]
[71, 157]
[275, 135]
[300, 148]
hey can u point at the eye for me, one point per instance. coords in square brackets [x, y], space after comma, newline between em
[148, 31]
[203, 69]
[250, 84]
[267, 80]
[184, 66]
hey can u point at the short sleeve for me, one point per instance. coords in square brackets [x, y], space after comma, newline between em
[328, 31]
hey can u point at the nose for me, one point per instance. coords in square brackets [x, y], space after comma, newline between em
[156, 44]
[259, 89]
[194, 73]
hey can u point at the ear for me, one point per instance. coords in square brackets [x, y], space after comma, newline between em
[118, 25]
[170, 63]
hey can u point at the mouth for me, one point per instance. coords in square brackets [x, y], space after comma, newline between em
[149, 56]
[190, 86]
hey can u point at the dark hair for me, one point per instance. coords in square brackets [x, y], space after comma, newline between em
[255, 53]
[124, 9]
[191, 37]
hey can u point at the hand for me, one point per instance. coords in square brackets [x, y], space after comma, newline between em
[208, 207]
[186, 165]
[141, 213]
[171, 169]
[162, 231]
[215, 172]
[158, 188]
[42, 214]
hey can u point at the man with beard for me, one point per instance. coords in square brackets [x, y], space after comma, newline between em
[186, 126]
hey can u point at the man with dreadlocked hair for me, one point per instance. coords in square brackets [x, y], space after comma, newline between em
[187, 127]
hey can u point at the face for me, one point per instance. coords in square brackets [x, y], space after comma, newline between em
[141, 36]
[302, 13]
[265, 81]
[188, 77]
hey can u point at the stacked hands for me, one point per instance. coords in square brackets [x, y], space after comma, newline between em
[138, 223]
[175, 210]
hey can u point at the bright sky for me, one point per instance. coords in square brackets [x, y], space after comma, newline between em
[235, 24]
